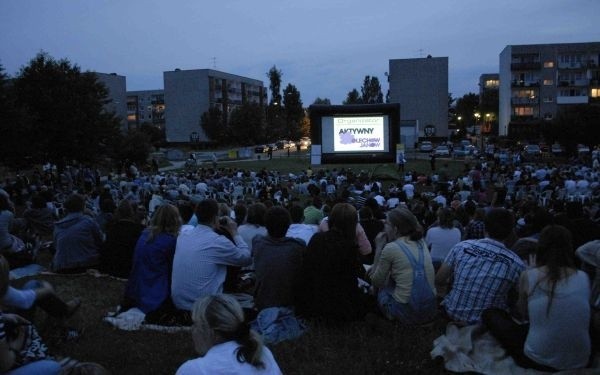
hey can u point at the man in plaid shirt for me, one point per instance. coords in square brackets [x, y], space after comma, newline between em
[483, 271]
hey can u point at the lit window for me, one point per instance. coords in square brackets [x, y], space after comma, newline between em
[548, 64]
[548, 82]
[523, 111]
[595, 93]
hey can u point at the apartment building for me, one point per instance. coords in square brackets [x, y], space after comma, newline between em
[537, 80]
[146, 106]
[190, 93]
[116, 86]
[420, 85]
[489, 84]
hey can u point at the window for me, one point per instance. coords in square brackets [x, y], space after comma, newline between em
[548, 99]
[547, 116]
[548, 82]
[492, 83]
[595, 93]
[548, 64]
[523, 111]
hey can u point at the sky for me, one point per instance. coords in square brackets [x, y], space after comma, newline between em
[323, 47]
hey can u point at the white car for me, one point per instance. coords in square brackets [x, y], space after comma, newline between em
[442, 150]
[426, 146]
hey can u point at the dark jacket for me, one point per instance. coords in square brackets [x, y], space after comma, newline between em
[77, 239]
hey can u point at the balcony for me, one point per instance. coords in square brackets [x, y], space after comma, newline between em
[531, 83]
[572, 100]
[570, 65]
[574, 82]
[515, 100]
[526, 66]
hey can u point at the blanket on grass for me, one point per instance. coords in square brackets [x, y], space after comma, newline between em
[474, 349]
[133, 320]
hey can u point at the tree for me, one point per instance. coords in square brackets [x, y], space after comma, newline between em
[155, 134]
[466, 107]
[135, 146]
[294, 112]
[275, 85]
[353, 97]
[211, 122]
[61, 113]
[573, 125]
[247, 124]
[371, 91]
[324, 101]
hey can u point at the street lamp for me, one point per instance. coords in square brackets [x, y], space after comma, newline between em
[477, 116]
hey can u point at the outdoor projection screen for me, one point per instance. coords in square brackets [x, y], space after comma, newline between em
[355, 133]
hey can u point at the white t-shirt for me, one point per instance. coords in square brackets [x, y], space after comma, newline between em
[440, 241]
[221, 359]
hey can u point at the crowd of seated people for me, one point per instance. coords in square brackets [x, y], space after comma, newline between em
[478, 243]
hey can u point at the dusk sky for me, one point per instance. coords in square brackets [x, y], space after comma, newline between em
[323, 47]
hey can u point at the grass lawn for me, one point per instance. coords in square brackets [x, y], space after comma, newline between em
[359, 348]
[379, 347]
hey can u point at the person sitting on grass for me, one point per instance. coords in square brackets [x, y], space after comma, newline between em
[403, 270]
[277, 261]
[225, 342]
[202, 256]
[554, 296]
[482, 272]
[21, 349]
[77, 239]
[149, 285]
[122, 234]
[330, 272]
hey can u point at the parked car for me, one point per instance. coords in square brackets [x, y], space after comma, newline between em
[426, 146]
[291, 144]
[282, 144]
[462, 151]
[582, 149]
[305, 142]
[442, 150]
[556, 149]
[261, 148]
[532, 150]
[273, 146]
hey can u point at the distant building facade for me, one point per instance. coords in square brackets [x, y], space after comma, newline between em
[537, 80]
[489, 86]
[146, 106]
[421, 87]
[190, 93]
[117, 93]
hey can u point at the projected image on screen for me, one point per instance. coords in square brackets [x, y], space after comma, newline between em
[359, 134]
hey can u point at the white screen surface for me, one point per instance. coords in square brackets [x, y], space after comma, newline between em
[359, 134]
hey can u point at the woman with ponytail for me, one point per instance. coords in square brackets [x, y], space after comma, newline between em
[554, 296]
[403, 270]
[225, 342]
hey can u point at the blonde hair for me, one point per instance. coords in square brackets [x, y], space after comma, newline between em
[166, 219]
[224, 316]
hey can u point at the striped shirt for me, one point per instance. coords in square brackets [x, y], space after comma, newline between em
[483, 273]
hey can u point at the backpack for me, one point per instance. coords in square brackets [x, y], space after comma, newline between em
[422, 301]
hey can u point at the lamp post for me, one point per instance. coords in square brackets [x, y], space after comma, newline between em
[477, 116]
